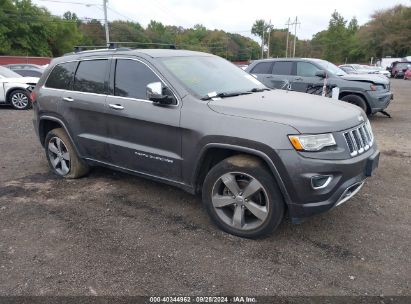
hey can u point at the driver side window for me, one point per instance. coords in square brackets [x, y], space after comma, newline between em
[306, 69]
[132, 78]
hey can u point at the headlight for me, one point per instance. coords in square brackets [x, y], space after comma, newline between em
[311, 142]
[376, 87]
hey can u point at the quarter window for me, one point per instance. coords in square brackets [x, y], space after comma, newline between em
[283, 68]
[132, 78]
[263, 68]
[90, 76]
[61, 76]
[306, 69]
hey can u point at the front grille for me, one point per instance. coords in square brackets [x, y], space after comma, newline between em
[359, 139]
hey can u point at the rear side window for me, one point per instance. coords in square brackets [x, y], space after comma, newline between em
[61, 76]
[282, 68]
[90, 76]
[262, 68]
[132, 78]
[306, 69]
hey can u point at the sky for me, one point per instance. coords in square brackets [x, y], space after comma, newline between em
[235, 16]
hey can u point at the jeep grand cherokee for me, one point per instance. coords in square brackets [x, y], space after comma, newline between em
[198, 122]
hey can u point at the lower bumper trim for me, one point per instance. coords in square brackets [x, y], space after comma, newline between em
[349, 193]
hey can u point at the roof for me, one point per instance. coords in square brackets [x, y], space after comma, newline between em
[288, 59]
[154, 53]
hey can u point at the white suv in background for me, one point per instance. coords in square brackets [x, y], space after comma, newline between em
[15, 89]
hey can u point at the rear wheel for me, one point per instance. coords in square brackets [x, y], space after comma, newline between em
[356, 100]
[62, 156]
[242, 198]
[19, 99]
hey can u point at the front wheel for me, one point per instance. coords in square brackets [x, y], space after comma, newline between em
[20, 99]
[357, 101]
[242, 198]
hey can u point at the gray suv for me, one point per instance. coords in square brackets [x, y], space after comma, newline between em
[369, 92]
[196, 121]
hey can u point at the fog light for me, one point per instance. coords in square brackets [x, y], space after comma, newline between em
[320, 181]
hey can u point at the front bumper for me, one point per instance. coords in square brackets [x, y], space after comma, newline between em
[348, 176]
[379, 101]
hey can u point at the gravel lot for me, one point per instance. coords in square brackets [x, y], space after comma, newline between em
[115, 234]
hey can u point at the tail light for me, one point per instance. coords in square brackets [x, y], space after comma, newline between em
[33, 96]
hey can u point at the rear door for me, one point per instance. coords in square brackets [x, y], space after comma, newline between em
[144, 137]
[84, 109]
[282, 74]
[262, 71]
[305, 79]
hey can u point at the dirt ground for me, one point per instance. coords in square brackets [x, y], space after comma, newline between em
[115, 234]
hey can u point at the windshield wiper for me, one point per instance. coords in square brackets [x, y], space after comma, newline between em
[224, 95]
[254, 90]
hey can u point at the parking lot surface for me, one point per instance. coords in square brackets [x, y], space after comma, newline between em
[116, 234]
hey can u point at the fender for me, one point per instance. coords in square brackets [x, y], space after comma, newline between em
[9, 87]
[47, 117]
[251, 151]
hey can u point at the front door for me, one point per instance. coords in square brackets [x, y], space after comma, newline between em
[144, 137]
[305, 80]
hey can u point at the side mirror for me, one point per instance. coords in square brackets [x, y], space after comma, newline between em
[160, 94]
[321, 73]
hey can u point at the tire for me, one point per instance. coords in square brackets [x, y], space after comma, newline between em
[20, 100]
[356, 100]
[238, 213]
[62, 157]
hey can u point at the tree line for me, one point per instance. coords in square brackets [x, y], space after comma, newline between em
[29, 30]
[388, 33]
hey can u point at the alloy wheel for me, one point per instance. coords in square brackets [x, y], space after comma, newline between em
[59, 156]
[240, 201]
[19, 100]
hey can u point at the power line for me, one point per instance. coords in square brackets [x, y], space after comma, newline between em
[71, 2]
[116, 12]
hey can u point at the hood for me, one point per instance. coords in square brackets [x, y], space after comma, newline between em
[305, 112]
[20, 80]
[374, 78]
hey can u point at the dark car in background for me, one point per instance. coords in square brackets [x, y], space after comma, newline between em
[369, 92]
[27, 70]
[398, 68]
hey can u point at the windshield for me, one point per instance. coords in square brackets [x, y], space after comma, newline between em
[331, 68]
[403, 65]
[7, 73]
[210, 75]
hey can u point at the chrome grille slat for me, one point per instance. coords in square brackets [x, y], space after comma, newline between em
[359, 139]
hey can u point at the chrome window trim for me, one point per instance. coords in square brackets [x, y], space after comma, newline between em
[155, 73]
[68, 61]
[109, 95]
[77, 92]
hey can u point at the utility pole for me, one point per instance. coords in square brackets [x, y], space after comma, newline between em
[106, 22]
[288, 32]
[262, 42]
[295, 33]
[268, 40]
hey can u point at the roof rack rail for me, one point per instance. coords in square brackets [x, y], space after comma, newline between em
[81, 48]
[115, 45]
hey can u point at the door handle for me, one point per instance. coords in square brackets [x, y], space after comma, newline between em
[68, 99]
[298, 78]
[116, 106]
